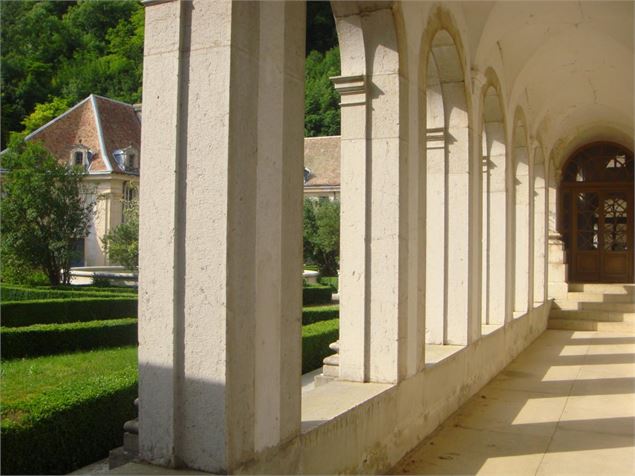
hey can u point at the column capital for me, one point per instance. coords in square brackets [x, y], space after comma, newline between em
[352, 89]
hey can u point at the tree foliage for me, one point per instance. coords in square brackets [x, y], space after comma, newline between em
[66, 51]
[322, 235]
[122, 243]
[56, 52]
[320, 27]
[43, 113]
[45, 210]
[321, 101]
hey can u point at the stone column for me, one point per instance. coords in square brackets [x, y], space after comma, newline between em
[530, 227]
[354, 232]
[374, 209]
[557, 276]
[540, 233]
[435, 254]
[221, 231]
[496, 223]
[521, 235]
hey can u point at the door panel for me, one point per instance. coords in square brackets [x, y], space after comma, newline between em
[601, 247]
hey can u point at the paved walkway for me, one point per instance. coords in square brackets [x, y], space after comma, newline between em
[566, 405]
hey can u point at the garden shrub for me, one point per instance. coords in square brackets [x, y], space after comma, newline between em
[46, 339]
[24, 293]
[69, 427]
[316, 294]
[315, 343]
[332, 281]
[319, 313]
[49, 311]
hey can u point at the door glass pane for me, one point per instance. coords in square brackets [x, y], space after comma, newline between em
[615, 222]
[587, 216]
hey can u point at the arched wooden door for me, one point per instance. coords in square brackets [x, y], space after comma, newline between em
[596, 214]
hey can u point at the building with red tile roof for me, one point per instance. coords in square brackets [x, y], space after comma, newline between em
[103, 136]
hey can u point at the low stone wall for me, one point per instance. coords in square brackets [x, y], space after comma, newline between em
[373, 435]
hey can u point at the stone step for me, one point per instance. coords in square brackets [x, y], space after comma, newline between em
[601, 316]
[617, 288]
[588, 325]
[594, 306]
[335, 346]
[599, 297]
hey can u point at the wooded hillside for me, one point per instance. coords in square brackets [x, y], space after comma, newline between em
[56, 53]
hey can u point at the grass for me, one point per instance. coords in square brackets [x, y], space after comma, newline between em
[62, 412]
[26, 382]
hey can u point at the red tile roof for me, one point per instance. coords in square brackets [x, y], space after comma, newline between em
[98, 123]
[322, 158]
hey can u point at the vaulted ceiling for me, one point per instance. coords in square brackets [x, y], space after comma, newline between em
[569, 63]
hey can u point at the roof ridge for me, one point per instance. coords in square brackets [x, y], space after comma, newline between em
[100, 134]
[113, 100]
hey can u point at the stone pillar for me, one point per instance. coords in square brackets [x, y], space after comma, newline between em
[460, 217]
[521, 235]
[495, 224]
[354, 230]
[530, 227]
[540, 233]
[221, 231]
[557, 275]
[373, 266]
[435, 250]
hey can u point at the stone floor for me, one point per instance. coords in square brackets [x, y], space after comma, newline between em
[566, 405]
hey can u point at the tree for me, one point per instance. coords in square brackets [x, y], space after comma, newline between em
[122, 243]
[321, 101]
[322, 234]
[43, 113]
[45, 209]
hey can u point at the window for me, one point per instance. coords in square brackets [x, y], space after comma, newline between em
[80, 157]
[127, 159]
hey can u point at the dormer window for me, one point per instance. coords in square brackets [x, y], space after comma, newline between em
[80, 157]
[131, 161]
[127, 159]
[307, 174]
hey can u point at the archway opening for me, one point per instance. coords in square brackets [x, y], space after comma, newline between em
[596, 213]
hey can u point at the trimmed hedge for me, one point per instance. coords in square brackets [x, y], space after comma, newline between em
[319, 313]
[316, 294]
[68, 427]
[48, 339]
[332, 281]
[23, 293]
[315, 343]
[49, 311]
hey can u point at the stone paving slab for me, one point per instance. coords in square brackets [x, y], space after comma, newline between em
[566, 405]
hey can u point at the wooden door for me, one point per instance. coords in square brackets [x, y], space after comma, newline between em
[601, 235]
[596, 214]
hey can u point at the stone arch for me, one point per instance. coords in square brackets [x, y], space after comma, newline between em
[494, 202]
[447, 144]
[521, 183]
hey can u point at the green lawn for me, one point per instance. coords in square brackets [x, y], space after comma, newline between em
[34, 382]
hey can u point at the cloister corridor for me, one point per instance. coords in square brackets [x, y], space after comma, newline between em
[566, 405]
[486, 198]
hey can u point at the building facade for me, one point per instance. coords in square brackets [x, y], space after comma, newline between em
[102, 136]
[460, 125]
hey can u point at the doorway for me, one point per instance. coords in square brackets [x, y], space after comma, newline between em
[596, 204]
